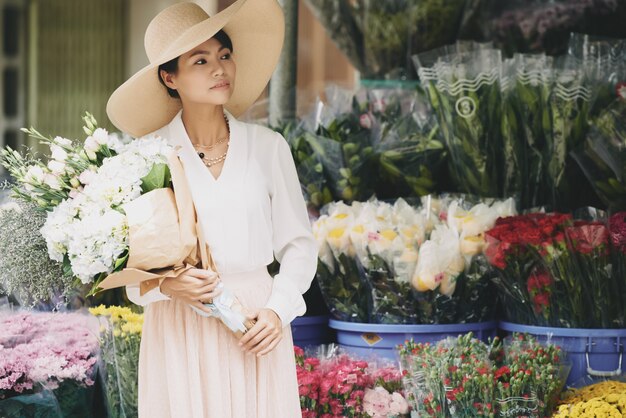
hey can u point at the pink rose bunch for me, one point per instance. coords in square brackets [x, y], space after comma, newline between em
[309, 379]
[343, 387]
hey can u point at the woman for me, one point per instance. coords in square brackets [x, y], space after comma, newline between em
[203, 72]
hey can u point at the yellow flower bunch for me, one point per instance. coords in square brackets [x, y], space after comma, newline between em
[126, 321]
[604, 399]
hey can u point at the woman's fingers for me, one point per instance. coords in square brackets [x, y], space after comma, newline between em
[208, 297]
[205, 275]
[271, 346]
[262, 335]
[201, 307]
[203, 290]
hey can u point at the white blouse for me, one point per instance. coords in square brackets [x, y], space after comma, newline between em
[252, 212]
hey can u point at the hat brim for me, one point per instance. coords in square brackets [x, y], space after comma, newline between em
[256, 28]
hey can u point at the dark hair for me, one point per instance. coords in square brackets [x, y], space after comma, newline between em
[171, 67]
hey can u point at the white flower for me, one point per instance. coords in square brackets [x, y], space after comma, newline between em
[100, 136]
[320, 233]
[86, 176]
[56, 167]
[62, 141]
[439, 262]
[52, 181]
[35, 174]
[58, 153]
[91, 145]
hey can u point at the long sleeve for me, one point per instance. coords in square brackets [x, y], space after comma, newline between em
[154, 295]
[292, 239]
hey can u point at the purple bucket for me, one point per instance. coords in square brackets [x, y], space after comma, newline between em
[593, 353]
[311, 330]
[381, 339]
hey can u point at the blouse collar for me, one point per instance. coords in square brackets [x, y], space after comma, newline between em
[235, 159]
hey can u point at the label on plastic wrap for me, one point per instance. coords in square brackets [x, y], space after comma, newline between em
[466, 107]
[519, 407]
[371, 338]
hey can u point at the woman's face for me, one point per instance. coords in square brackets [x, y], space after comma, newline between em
[205, 75]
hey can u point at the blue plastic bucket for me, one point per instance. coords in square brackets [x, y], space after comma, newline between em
[593, 353]
[381, 339]
[311, 330]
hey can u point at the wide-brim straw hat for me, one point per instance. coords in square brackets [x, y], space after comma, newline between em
[256, 28]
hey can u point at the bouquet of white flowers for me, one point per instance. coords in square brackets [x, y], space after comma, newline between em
[113, 218]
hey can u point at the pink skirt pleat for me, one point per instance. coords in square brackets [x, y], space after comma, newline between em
[192, 367]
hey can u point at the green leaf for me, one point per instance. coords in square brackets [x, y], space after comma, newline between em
[158, 178]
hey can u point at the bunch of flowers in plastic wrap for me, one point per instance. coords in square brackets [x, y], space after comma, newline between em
[337, 272]
[557, 271]
[511, 126]
[334, 384]
[602, 399]
[48, 364]
[527, 85]
[309, 380]
[120, 338]
[464, 377]
[603, 157]
[530, 379]
[386, 398]
[452, 278]
[463, 86]
[398, 263]
[453, 378]
[373, 141]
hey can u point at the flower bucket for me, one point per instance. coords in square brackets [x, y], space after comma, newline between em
[311, 330]
[381, 339]
[593, 353]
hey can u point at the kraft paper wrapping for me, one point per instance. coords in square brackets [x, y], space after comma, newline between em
[162, 234]
[166, 240]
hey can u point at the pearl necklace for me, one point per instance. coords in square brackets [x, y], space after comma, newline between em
[210, 162]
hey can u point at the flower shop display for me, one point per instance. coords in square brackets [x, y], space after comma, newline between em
[120, 338]
[603, 399]
[507, 121]
[465, 93]
[400, 264]
[463, 377]
[557, 271]
[372, 141]
[106, 193]
[602, 157]
[379, 37]
[333, 384]
[48, 364]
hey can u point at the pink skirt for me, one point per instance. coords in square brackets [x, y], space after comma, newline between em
[192, 367]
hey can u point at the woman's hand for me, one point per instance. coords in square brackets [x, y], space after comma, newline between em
[195, 287]
[265, 335]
